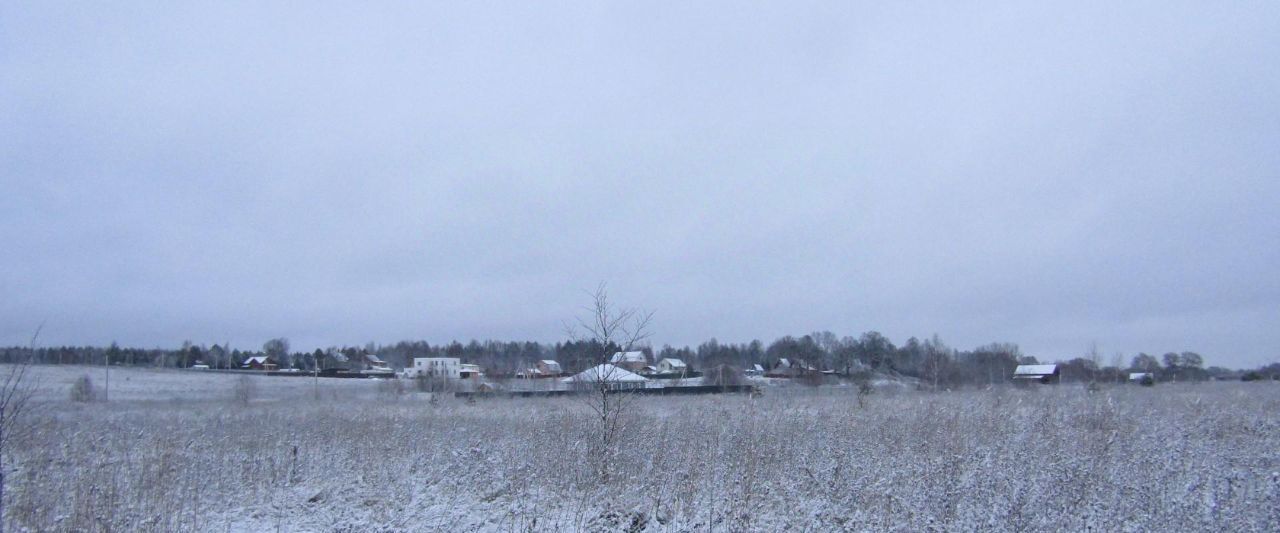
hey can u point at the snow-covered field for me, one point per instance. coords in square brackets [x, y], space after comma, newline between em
[172, 385]
[177, 451]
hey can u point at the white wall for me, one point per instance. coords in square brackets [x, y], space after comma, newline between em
[446, 367]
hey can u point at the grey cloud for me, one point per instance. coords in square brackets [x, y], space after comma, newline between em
[1048, 175]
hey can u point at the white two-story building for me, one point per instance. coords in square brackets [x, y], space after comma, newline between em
[435, 367]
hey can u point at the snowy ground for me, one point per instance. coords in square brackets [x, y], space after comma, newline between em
[174, 451]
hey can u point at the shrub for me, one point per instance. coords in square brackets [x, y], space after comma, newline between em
[82, 390]
[244, 391]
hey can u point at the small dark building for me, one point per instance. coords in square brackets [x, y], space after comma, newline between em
[1045, 374]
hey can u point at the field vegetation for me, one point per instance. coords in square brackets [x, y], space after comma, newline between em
[363, 456]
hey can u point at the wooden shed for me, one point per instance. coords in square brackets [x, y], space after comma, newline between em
[1036, 374]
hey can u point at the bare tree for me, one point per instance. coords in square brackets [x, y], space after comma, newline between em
[604, 392]
[243, 391]
[1117, 361]
[1095, 358]
[936, 359]
[278, 349]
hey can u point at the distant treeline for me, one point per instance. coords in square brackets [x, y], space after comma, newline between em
[931, 361]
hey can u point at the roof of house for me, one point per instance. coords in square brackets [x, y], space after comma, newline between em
[453, 360]
[261, 359]
[798, 364]
[628, 357]
[1138, 375]
[372, 358]
[674, 362]
[1035, 370]
[606, 372]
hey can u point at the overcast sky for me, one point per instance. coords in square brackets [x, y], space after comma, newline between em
[1101, 172]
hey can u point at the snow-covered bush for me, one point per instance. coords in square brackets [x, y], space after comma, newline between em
[82, 390]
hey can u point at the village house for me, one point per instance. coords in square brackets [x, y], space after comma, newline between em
[549, 368]
[780, 369]
[669, 365]
[439, 367]
[470, 371]
[261, 362]
[546, 368]
[376, 366]
[633, 361]
[612, 376]
[790, 368]
[1036, 374]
